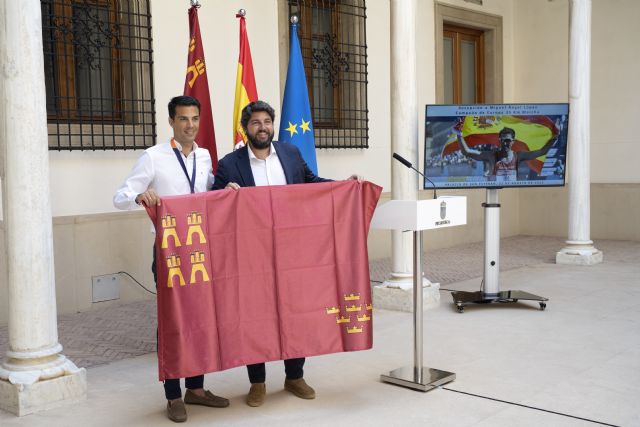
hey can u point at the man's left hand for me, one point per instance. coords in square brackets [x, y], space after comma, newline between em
[355, 177]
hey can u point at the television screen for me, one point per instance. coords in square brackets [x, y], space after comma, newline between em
[495, 145]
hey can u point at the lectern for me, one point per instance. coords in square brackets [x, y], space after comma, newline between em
[419, 215]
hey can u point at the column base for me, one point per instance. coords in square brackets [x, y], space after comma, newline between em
[579, 253]
[22, 400]
[397, 294]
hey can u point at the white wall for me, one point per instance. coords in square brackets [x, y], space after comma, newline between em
[541, 65]
[615, 88]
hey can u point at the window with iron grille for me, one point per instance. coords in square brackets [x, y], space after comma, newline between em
[98, 74]
[334, 49]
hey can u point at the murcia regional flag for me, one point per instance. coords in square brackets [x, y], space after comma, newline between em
[262, 273]
[197, 86]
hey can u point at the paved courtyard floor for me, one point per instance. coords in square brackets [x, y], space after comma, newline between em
[575, 364]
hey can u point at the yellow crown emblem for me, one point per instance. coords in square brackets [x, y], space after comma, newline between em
[354, 330]
[369, 307]
[333, 310]
[352, 297]
[363, 318]
[353, 307]
[343, 319]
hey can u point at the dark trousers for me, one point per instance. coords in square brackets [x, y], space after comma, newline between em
[172, 386]
[293, 368]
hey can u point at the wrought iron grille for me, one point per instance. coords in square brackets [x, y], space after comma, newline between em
[98, 64]
[334, 49]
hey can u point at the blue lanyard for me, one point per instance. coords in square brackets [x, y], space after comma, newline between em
[192, 181]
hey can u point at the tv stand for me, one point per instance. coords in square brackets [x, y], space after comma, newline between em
[490, 291]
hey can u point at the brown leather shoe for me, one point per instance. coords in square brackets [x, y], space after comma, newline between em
[209, 399]
[256, 395]
[300, 388]
[176, 411]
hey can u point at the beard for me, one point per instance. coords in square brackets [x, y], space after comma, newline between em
[260, 145]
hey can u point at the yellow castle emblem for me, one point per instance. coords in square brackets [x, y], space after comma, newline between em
[197, 266]
[173, 262]
[194, 221]
[168, 223]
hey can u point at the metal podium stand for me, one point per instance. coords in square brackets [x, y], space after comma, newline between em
[490, 292]
[418, 215]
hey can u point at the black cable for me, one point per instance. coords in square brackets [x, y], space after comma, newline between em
[139, 284]
[376, 281]
[529, 407]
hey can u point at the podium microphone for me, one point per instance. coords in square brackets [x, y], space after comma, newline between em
[408, 164]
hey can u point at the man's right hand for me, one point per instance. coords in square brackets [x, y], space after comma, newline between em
[149, 198]
[233, 186]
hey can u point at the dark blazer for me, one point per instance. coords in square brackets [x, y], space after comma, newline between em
[235, 167]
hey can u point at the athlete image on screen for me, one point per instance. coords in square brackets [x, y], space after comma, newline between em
[503, 162]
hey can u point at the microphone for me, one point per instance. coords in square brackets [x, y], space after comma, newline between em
[408, 164]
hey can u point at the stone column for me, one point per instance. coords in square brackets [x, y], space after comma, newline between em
[34, 375]
[579, 248]
[404, 141]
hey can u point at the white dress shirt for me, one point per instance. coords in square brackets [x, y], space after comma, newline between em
[268, 171]
[158, 168]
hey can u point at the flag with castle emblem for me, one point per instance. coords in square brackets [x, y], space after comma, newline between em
[295, 124]
[303, 291]
[197, 86]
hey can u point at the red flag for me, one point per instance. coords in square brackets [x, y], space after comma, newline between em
[197, 86]
[246, 91]
[262, 273]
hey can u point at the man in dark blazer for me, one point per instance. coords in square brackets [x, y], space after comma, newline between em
[266, 162]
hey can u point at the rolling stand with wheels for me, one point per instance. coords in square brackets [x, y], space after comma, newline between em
[490, 292]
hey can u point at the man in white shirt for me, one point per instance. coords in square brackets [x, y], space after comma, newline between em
[168, 169]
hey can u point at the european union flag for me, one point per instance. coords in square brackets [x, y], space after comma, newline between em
[295, 124]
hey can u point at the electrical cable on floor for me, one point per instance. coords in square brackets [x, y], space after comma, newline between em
[529, 407]
[139, 284]
[376, 281]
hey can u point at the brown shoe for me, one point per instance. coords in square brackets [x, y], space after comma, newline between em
[256, 394]
[176, 411]
[300, 388]
[209, 399]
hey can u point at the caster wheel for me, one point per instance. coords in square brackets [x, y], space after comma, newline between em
[460, 309]
[543, 305]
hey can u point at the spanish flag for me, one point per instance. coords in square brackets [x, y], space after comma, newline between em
[532, 132]
[246, 91]
[197, 86]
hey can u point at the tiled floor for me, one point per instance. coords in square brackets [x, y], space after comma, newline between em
[515, 365]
